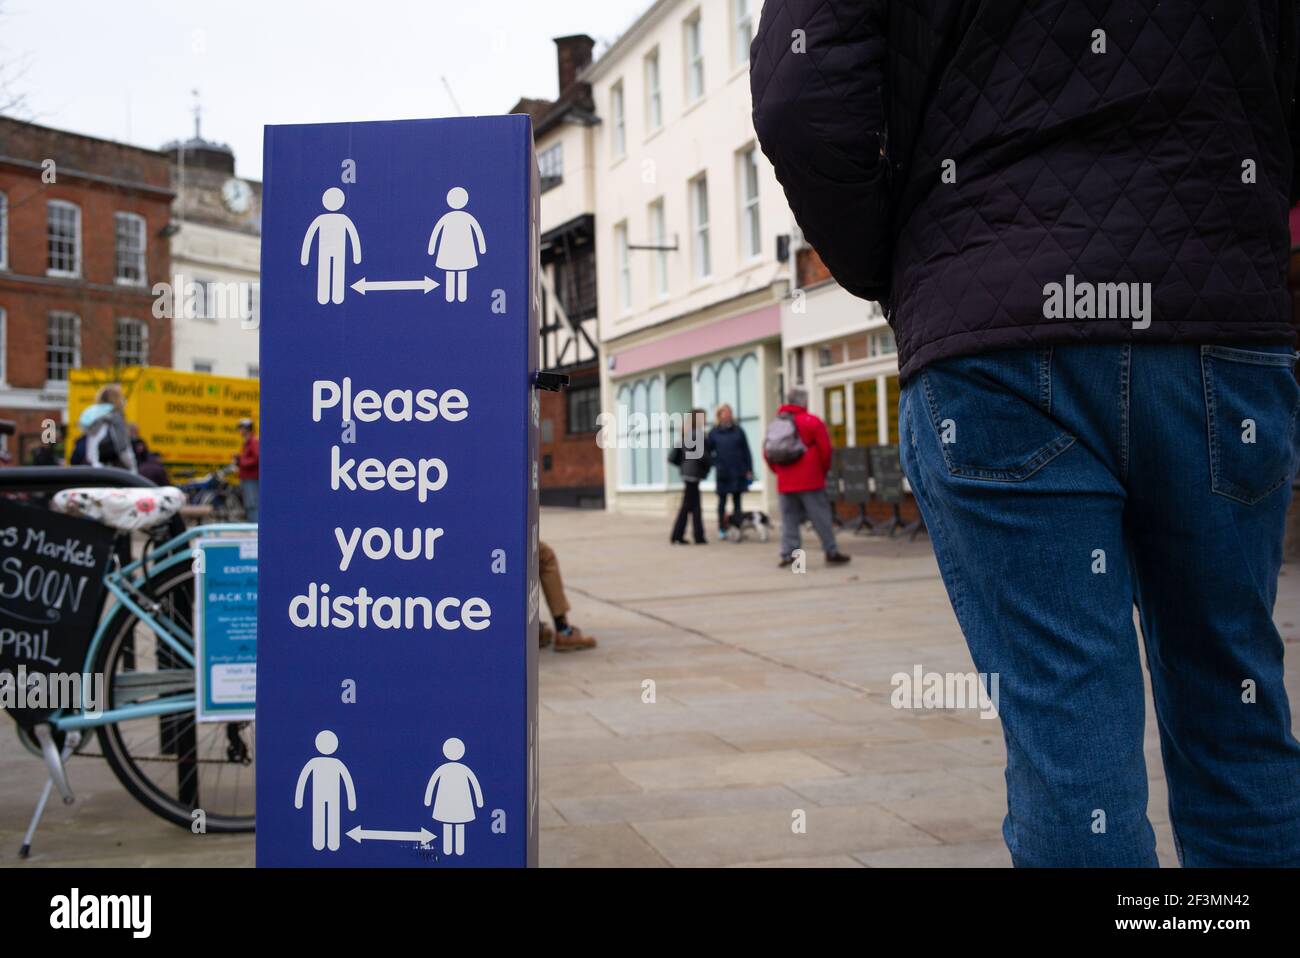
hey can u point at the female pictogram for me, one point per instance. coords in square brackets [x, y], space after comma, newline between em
[455, 801]
[457, 241]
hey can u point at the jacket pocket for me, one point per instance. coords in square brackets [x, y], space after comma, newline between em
[1251, 399]
[992, 414]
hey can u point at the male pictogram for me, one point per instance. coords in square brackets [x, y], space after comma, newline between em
[334, 229]
[325, 775]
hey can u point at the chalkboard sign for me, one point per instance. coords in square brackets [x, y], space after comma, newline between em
[856, 474]
[833, 490]
[51, 588]
[888, 473]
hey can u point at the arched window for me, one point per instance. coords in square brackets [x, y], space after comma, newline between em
[733, 380]
[641, 449]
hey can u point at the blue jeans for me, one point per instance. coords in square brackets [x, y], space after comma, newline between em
[248, 492]
[1061, 487]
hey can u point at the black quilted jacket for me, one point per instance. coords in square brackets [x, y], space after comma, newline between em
[952, 158]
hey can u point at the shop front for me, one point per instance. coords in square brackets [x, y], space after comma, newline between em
[653, 383]
[841, 350]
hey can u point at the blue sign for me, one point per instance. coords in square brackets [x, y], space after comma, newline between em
[397, 670]
[225, 629]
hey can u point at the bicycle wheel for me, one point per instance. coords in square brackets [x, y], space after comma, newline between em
[231, 508]
[172, 764]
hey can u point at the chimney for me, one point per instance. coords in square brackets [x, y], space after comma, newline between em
[573, 54]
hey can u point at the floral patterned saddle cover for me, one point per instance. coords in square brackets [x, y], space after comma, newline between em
[126, 510]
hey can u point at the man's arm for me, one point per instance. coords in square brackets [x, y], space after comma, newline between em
[1295, 129]
[347, 783]
[303, 776]
[305, 258]
[356, 240]
[817, 79]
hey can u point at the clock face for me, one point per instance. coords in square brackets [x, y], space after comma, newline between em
[237, 195]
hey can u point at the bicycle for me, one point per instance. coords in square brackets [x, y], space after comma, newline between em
[216, 490]
[144, 647]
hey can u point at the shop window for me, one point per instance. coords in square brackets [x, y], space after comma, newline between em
[837, 423]
[866, 431]
[734, 381]
[891, 408]
[640, 415]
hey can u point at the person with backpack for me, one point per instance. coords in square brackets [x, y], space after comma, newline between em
[108, 440]
[797, 448]
[1075, 215]
[694, 458]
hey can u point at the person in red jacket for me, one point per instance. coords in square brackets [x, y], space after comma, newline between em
[802, 483]
[249, 461]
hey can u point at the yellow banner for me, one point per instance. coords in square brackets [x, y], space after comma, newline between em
[184, 417]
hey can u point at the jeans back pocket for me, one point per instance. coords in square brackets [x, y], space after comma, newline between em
[992, 413]
[1251, 399]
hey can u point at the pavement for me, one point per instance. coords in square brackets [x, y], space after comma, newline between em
[733, 714]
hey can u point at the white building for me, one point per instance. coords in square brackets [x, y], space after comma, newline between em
[216, 252]
[689, 219]
[841, 350]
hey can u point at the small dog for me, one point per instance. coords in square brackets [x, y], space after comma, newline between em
[743, 522]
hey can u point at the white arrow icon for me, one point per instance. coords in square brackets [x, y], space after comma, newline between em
[426, 285]
[358, 834]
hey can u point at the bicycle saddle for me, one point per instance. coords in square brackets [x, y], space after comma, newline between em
[126, 510]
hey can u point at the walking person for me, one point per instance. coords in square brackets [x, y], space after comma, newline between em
[797, 448]
[733, 464]
[249, 461]
[692, 456]
[1084, 265]
[107, 437]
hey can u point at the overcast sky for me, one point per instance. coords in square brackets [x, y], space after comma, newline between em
[125, 69]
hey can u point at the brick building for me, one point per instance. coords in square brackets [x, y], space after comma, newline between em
[564, 131]
[82, 241]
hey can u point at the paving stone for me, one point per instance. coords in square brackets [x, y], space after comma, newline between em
[964, 855]
[773, 694]
[748, 768]
[659, 805]
[768, 836]
[596, 846]
[567, 781]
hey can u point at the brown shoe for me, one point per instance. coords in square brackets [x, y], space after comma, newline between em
[546, 636]
[574, 640]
